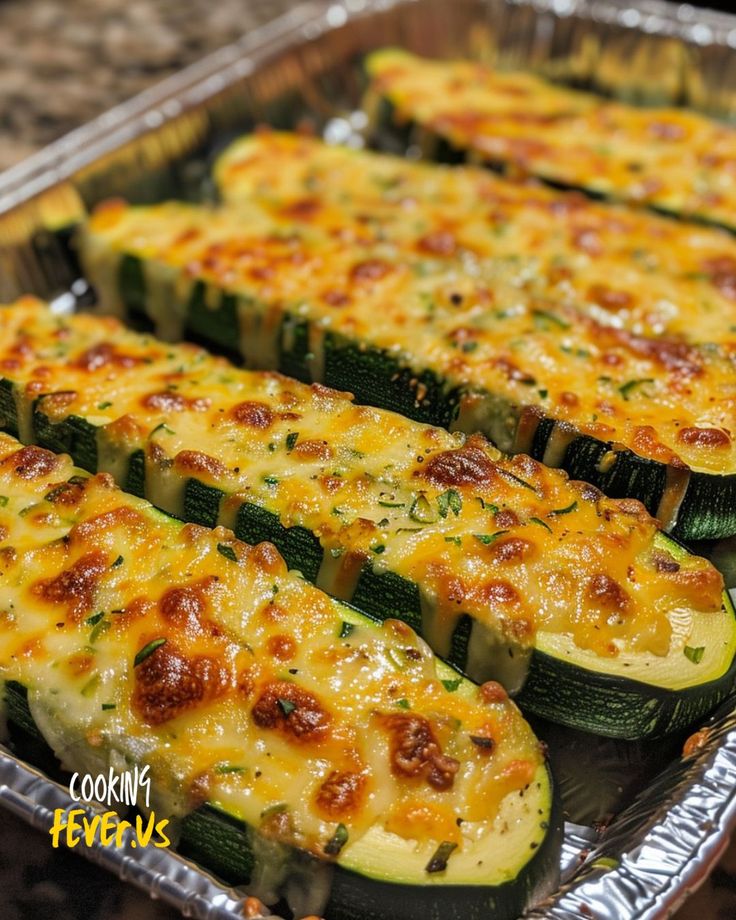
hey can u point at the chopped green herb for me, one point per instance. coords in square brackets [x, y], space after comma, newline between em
[421, 511]
[449, 501]
[536, 520]
[95, 618]
[98, 630]
[456, 540]
[545, 320]
[4, 500]
[403, 703]
[104, 405]
[118, 561]
[438, 863]
[225, 768]
[147, 651]
[338, 840]
[291, 440]
[286, 706]
[162, 427]
[567, 510]
[452, 685]
[694, 654]
[227, 551]
[89, 688]
[271, 480]
[277, 809]
[378, 549]
[107, 707]
[543, 394]
[487, 538]
[384, 504]
[631, 385]
[345, 630]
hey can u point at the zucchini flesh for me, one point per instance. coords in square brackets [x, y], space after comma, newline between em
[141, 640]
[502, 564]
[672, 160]
[454, 339]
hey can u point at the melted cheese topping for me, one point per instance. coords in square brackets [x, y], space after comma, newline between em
[237, 682]
[626, 269]
[475, 321]
[510, 542]
[673, 159]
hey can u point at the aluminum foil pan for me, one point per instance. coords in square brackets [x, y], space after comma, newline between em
[645, 824]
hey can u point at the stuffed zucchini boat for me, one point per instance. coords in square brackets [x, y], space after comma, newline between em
[673, 160]
[506, 567]
[330, 738]
[433, 331]
[625, 268]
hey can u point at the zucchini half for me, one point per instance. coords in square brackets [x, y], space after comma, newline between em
[623, 267]
[507, 568]
[445, 338]
[672, 160]
[324, 737]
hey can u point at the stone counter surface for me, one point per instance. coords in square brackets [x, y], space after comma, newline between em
[61, 64]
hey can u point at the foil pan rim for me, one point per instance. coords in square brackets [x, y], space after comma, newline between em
[661, 861]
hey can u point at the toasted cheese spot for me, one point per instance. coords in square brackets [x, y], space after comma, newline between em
[439, 243]
[57, 402]
[312, 449]
[607, 594]
[370, 270]
[195, 461]
[66, 493]
[335, 298]
[512, 549]
[80, 663]
[292, 711]
[341, 794]
[610, 299]
[722, 272]
[170, 401]
[268, 558]
[105, 355]
[704, 437]
[467, 466]
[416, 752]
[492, 692]
[31, 462]
[92, 529]
[168, 683]
[75, 587]
[253, 414]
[183, 608]
[282, 647]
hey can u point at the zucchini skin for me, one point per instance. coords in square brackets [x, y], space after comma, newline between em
[707, 510]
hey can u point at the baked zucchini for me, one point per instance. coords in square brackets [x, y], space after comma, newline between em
[504, 566]
[625, 268]
[327, 737]
[424, 326]
[673, 160]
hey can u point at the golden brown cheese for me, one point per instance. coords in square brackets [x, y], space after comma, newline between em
[624, 268]
[509, 541]
[475, 322]
[185, 649]
[672, 159]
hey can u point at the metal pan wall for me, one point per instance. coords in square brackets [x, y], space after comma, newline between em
[645, 824]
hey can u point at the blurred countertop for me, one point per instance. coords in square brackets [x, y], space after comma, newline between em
[63, 63]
